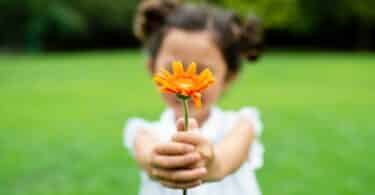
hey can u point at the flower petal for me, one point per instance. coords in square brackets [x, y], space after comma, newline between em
[165, 83]
[192, 69]
[183, 83]
[184, 93]
[204, 84]
[167, 90]
[196, 97]
[159, 80]
[178, 68]
[205, 74]
[165, 73]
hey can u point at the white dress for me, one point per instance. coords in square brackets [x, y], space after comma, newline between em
[241, 182]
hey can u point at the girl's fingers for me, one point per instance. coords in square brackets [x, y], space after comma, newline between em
[180, 185]
[190, 137]
[198, 164]
[183, 175]
[172, 162]
[173, 148]
[181, 124]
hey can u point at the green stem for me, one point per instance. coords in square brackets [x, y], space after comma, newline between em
[186, 124]
[186, 114]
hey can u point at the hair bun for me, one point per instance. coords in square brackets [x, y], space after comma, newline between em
[151, 16]
[251, 38]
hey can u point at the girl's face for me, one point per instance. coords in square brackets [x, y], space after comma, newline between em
[200, 48]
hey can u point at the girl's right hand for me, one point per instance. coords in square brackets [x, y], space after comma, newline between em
[168, 161]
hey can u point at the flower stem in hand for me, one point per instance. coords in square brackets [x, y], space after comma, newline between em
[185, 100]
[186, 114]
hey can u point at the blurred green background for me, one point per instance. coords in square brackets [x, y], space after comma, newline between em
[34, 25]
[62, 117]
[67, 76]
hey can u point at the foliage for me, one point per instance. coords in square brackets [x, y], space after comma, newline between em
[37, 19]
[31, 23]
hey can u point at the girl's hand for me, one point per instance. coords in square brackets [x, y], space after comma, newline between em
[173, 164]
[168, 164]
[202, 145]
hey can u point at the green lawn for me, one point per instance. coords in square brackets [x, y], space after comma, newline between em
[61, 120]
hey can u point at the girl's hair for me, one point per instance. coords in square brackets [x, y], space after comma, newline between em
[235, 37]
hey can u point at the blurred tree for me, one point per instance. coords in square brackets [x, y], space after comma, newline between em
[55, 17]
[357, 14]
[40, 24]
[12, 32]
[364, 13]
[275, 13]
[312, 16]
[30, 23]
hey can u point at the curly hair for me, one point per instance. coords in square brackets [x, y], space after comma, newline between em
[236, 37]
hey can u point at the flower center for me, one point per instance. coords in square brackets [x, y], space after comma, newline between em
[185, 84]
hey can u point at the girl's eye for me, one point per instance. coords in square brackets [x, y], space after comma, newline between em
[168, 68]
[201, 67]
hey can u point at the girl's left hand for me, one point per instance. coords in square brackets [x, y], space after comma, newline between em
[202, 145]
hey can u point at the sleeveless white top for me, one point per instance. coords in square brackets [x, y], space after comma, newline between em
[219, 123]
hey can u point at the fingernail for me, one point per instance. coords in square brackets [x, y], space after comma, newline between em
[203, 170]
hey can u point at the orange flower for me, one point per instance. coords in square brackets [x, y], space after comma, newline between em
[184, 84]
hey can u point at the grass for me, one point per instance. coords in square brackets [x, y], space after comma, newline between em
[61, 120]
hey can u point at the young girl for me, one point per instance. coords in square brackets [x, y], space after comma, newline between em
[221, 151]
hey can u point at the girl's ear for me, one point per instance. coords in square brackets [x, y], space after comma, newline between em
[151, 16]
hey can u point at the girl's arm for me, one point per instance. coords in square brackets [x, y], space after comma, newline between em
[225, 157]
[231, 152]
[144, 144]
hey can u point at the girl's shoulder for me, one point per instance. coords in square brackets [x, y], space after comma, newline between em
[160, 128]
[247, 113]
[139, 122]
[131, 128]
[253, 116]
